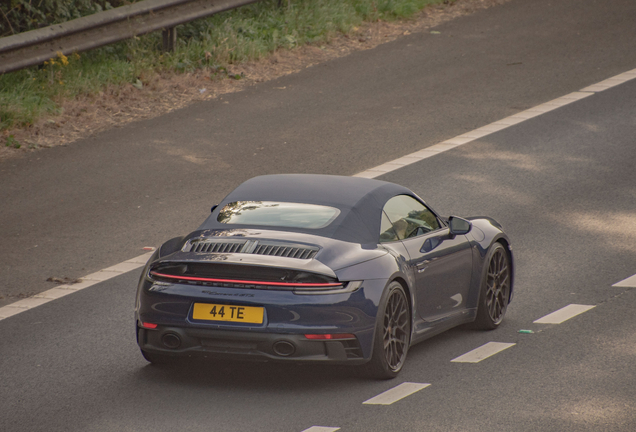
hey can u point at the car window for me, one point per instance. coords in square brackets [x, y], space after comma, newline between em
[387, 234]
[409, 217]
[281, 214]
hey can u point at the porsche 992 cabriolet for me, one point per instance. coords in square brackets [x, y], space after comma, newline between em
[321, 268]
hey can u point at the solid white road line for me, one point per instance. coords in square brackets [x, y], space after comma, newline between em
[496, 126]
[321, 429]
[611, 82]
[564, 314]
[483, 352]
[395, 394]
[54, 293]
[629, 282]
[63, 290]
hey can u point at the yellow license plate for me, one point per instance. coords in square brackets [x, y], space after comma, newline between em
[218, 312]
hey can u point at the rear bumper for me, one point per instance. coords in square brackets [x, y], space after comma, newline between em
[247, 345]
[281, 336]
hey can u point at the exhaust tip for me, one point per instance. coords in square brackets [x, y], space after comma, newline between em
[171, 340]
[284, 348]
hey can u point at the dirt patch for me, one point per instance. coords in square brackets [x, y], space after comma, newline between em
[165, 92]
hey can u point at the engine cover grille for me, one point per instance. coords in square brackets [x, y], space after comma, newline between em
[285, 251]
[257, 247]
[217, 247]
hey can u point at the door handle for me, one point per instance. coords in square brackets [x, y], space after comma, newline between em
[421, 266]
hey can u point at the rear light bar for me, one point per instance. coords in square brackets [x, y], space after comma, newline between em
[335, 336]
[246, 282]
[148, 325]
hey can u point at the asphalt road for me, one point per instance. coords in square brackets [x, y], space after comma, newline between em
[562, 184]
[70, 211]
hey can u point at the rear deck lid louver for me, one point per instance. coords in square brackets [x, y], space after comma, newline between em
[257, 247]
[288, 251]
[217, 246]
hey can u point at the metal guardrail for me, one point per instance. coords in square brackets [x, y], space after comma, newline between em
[103, 28]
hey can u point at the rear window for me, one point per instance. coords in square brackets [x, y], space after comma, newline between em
[281, 214]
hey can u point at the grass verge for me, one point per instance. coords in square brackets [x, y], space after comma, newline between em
[211, 44]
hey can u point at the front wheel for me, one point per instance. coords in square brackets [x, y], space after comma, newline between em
[495, 289]
[392, 334]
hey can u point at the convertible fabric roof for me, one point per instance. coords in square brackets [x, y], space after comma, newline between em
[360, 202]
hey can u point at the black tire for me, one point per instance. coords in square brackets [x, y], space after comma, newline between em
[392, 334]
[494, 293]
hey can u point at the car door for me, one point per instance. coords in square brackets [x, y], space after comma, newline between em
[441, 264]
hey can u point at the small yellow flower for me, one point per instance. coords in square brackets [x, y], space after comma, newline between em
[61, 82]
[76, 56]
[63, 58]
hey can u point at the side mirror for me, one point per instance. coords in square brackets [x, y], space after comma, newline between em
[459, 226]
[213, 207]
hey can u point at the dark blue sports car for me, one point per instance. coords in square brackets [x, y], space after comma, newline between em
[324, 269]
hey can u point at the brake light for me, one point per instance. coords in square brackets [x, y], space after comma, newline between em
[148, 325]
[330, 336]
[246, 282]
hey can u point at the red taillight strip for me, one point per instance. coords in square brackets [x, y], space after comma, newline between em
[148, 325]
[330, 336]
[200, 279]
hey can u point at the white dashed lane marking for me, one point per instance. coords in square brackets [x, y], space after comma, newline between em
[321, 429]
[630, 282]
[63, 290]
[483, 352]
[396, 393]
[564, 314]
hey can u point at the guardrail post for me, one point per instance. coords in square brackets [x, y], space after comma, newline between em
[169, 38]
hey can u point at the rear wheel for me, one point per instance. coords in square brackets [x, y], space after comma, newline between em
[495, 290]
[392, 334]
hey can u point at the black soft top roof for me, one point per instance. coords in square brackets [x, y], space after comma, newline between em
[359, 200]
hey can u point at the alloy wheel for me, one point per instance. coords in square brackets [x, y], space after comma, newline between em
[497, 286]
[396, 330]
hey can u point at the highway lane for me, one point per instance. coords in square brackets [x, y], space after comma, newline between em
[70, 211]
[563, 186]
